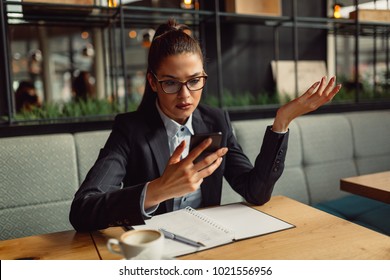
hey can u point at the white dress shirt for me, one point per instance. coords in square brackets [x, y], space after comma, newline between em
[176, 133]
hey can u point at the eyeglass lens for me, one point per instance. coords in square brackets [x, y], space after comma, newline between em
[172, 86]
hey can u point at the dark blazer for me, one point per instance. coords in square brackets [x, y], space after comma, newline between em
[137, 151]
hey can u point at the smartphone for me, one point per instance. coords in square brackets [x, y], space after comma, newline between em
[215, 144]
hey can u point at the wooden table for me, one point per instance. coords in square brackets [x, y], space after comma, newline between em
[375, 186]
[67, 245]
[317, 235]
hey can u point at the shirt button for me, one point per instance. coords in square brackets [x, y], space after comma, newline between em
[182, 128]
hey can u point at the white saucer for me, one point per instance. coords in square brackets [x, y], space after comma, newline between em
[163, 258]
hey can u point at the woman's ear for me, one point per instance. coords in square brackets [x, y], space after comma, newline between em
[152, 82]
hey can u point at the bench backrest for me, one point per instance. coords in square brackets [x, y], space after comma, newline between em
[38, 178]
[322, 150]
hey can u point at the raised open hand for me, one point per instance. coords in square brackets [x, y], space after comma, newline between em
[317, 95]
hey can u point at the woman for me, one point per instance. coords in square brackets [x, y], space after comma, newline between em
[146, 168]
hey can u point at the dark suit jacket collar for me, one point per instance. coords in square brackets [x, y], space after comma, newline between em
[157, 138]
[199, 123]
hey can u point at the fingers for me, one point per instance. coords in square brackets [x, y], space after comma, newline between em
[183, 176]
[207, 171]
[331, 90]
[210, 159]
[208, 165]
[175, 158]
[332, 93]
[194, 153]
[325, 87]
[322, 86]
[329, 86]
[326, 95]
[188, 164]
[309, 91]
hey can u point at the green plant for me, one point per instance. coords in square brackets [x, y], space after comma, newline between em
[89, 107]
[366, 91]
[241, 99]
[211, 100]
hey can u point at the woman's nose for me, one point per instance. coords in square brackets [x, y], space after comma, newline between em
[184, 92]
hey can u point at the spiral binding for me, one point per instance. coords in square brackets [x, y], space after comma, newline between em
[207, 219]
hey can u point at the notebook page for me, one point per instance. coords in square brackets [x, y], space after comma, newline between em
[245, 221]
[183, 223]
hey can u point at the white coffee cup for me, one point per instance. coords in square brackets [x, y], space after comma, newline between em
[142, 244]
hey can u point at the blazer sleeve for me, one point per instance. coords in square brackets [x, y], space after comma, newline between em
[256, 183]
[101, 201]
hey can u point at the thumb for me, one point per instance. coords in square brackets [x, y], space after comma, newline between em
[175, 158]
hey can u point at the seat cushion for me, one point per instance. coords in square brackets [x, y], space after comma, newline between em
[366, 212]
[34, 219]
[378, 218]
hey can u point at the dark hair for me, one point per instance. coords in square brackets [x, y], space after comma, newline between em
[26, 97]
[170, 38]
[82, 87]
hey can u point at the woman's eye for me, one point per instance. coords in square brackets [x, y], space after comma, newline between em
[194, 81]
[170, 82]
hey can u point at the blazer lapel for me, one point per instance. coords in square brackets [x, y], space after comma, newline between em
[159, 145]
[158, 142]
[157, 138]
[198, 123]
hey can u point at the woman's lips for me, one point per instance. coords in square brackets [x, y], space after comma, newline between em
[183, 106]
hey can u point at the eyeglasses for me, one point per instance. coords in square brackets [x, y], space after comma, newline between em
[174, 86]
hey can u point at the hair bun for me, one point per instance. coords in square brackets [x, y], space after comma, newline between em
[172, 25]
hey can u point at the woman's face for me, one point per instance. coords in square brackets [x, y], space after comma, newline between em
[181, 67]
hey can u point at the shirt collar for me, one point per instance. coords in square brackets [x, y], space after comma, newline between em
[171, 126]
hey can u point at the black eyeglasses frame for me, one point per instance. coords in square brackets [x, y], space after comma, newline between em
[204, 76]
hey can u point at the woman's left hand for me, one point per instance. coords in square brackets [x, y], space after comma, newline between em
[311, 100]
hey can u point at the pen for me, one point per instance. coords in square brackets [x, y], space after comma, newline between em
[179, 238]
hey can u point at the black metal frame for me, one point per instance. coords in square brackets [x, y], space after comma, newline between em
[7, 70]
[123, 15]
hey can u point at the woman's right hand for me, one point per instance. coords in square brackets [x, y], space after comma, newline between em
[181, 177]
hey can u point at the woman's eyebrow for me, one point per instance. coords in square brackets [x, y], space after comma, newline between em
[176, 78]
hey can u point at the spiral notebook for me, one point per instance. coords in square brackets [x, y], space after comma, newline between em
[213, 226]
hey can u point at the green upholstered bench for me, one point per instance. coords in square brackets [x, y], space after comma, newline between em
[38, 178]
[322, 150]
[39, 174]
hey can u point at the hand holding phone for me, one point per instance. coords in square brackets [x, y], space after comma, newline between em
[196, 139]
